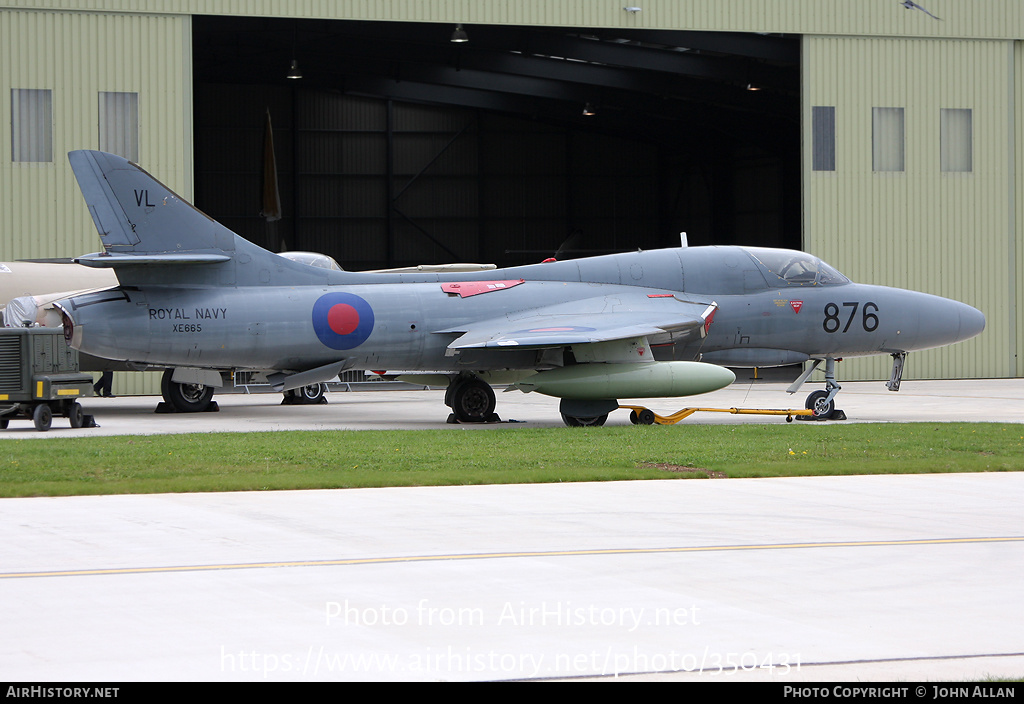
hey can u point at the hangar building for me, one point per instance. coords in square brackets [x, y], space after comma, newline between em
[882, 139]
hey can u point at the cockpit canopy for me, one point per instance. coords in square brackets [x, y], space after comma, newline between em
[313, 259]
[741, 270]
[786, 267]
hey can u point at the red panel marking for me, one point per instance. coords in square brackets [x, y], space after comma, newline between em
[708, 320]
[465, 289]
[796, 305]
[660, 295]
[342, 318]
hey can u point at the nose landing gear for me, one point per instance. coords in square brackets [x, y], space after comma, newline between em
[822, 401]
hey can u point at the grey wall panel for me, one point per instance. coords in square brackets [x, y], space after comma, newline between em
[78, 55]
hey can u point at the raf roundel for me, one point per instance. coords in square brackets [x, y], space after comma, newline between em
[342, 321]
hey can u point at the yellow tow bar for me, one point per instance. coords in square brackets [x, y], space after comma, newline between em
[645, 416]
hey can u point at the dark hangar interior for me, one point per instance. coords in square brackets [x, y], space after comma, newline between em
[398, 146]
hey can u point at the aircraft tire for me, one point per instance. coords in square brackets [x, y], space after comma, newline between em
[309, 394]
[634, 418]
[42, 416]
[577, 422]
[646, 417]
[473, 401]
[816, 402]
[312, 393]
[75, 415]
[186, 398]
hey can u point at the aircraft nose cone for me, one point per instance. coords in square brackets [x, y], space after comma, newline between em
[972, 322]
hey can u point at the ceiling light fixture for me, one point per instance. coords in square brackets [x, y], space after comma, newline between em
[588, 110]
[459, 36]
[294, 71]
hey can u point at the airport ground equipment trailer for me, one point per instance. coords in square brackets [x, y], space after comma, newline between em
[40, 378]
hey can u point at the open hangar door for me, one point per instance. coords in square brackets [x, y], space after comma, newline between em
[398, 146]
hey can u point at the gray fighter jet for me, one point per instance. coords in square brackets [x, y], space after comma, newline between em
[199, 299]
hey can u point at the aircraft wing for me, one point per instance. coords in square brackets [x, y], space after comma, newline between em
[599, 319]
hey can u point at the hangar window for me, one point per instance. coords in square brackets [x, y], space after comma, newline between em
[887, 139]
[955, 144]
[31, 124]
[823, 138]
[119, 124]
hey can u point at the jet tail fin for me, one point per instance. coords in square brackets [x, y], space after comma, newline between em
[136, 214]
[150, 234]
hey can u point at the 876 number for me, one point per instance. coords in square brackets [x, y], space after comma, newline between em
[833, 316]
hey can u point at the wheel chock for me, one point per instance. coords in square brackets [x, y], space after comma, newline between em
[164, 407]
[493, 418]
[837, 414]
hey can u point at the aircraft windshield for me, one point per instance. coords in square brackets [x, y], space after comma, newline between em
[797, 268]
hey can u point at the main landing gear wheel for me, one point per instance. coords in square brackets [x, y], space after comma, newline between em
[472, 401]
[818, 402]
[305, 395]
[312, 393]
[577, 422]
[186, 398]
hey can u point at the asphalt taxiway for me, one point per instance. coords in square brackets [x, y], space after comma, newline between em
[999, 400]
[909, 577]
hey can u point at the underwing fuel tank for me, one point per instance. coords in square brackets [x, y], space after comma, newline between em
[652, 379]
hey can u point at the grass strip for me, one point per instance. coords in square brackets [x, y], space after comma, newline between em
[343, 459]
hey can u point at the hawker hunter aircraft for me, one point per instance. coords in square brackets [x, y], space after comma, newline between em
[195, 297]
